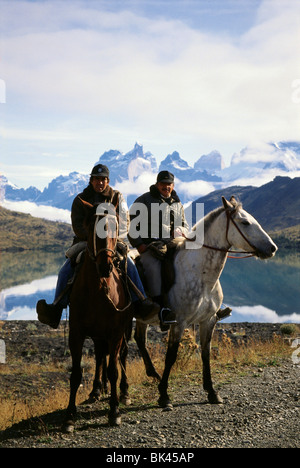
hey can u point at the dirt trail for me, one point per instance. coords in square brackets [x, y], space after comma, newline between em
[261, 409]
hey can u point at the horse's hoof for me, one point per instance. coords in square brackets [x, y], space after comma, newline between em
[125, 400]
[165, 404]
[114, 420]
[215, 399]
[69, 427]
[168, 407]
[93, 397]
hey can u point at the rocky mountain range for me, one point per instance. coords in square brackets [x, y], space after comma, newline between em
[135, 171]
[275, 205]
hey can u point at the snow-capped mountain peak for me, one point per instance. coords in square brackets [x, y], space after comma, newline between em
[132, 172]
[174, 161]
[211, 162]
[128, 165]
[270, 155]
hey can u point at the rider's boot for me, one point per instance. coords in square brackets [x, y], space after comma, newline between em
[49, 314]
[224, 313]
[166, 316]
[145, 309]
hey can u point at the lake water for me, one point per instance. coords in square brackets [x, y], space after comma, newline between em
[257, 291]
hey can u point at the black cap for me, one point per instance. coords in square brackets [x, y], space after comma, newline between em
[100, 171]
[165, 176]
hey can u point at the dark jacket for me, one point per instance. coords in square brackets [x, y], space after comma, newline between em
[78, 213]
[159, 219]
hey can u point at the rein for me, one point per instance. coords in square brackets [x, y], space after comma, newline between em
[95, 253]
[110, 299]
[229, 218]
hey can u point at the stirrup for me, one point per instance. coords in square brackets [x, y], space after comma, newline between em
[166, 322]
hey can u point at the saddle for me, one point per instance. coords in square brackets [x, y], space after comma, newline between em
[165, 252]
[75, 252]
[168, 275]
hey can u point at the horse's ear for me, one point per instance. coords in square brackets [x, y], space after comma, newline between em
[230, 205]
[227, 204]
[86, 204]
[233, 201]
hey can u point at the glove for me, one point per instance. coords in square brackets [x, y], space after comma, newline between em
[158, 249]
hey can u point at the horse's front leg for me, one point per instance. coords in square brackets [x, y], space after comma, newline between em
[98, 385]
[140, 337]
[114, 418]
[76, 344]
[173, 345]
[206, 331]
[124, 397]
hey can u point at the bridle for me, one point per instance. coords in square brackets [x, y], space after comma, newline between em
[229, 214]
[94, 253]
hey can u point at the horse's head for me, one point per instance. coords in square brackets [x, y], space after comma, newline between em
[245, 233]
[102, 227]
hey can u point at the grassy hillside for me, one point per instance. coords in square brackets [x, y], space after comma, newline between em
[23, 232]
[288, 239]
[19, 231]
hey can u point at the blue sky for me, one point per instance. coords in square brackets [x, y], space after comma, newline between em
[81, 77]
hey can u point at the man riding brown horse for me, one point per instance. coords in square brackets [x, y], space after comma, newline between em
[97, 192]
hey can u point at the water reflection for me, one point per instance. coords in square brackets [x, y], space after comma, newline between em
[257, 291]
[25, 278]
[263, 291]
[18, 302]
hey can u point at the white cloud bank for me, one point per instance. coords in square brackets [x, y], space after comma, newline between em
[158, 80]
[39, 211]
[260, 313]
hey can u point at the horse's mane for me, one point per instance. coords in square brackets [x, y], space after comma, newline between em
[207, 220]
[213, 215]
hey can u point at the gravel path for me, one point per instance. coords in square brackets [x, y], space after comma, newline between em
[261, 410]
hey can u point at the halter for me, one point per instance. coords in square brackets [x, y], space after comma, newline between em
[229, 215]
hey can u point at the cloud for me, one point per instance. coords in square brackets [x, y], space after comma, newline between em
[142, 183]
[137, 186]
[38, 135]
[39, 211]
[194, 189]
[2, 92]
[260, 177]
[159, 79]
[33, 287]
[260, 313]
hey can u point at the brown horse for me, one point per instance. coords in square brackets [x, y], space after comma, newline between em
[100, 308]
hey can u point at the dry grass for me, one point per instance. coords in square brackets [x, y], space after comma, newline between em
[227, 359]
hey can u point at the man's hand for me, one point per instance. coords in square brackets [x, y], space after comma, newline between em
[142, 248]
[178, 233]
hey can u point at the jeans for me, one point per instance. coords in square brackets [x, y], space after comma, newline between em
[67, 272]
[135, 277]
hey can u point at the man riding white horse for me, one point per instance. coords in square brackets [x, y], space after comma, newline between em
[156, 218]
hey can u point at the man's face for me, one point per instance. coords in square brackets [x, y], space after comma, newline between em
[99, 183]
[165, 188]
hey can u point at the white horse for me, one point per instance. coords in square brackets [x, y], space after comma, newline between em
[196, 295]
